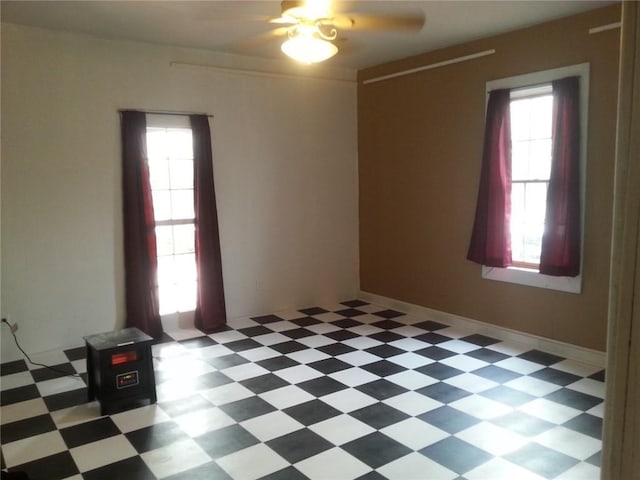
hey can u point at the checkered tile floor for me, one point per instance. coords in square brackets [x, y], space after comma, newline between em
[350, 391]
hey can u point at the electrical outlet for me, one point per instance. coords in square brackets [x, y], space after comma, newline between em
[14, 328]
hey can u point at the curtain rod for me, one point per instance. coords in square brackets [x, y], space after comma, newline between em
[429, 67]
[165, 112]
[604, 28]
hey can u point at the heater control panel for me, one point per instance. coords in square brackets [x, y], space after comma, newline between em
[128, 379]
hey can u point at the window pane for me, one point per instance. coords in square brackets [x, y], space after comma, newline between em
[184, 238]
[182, 204]
[181, 174]
[517, 204]
[159, 174]
[166, 271]
[161, 204]
[185, 296]
[532, 248]
[519, 119]
[156, 144]
[167, 299]
[185, 267]
[540, 164]
[541, 113]
[520, 160]
[517, 221]
[164, 240]
[180, 142]
[535, 199]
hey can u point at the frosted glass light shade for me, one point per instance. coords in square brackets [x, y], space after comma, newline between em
[309, 49]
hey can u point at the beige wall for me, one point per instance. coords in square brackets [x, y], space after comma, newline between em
[420, 142]
[285, 162]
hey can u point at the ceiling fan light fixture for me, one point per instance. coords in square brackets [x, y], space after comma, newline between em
[308, 48]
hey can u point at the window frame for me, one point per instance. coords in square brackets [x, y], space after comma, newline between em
[163, 121]
[527, 276]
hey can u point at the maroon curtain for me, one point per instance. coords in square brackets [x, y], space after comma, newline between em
[210, 314]
[560, 254]
[491, 237]
[141, 263]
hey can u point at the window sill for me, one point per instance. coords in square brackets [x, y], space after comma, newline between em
[532, 278]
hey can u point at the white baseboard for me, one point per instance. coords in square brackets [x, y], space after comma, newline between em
[573, 352]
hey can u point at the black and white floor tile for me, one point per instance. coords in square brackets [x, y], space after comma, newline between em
[347, 391]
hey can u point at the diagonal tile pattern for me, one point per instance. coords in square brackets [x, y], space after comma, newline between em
[346, 391]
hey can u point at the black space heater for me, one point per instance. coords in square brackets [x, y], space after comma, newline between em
[120, 370]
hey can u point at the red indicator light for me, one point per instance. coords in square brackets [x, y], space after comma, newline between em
[125, 357]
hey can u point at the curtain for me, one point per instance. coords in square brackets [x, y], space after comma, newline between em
[141, 264]
[491, 237]
[560, 253]
[210, 314]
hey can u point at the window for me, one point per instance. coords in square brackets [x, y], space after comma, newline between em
[173, 152]
[170, 154]
[531, 114]
[531, 106]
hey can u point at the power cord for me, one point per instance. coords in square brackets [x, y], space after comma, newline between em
[15, 339]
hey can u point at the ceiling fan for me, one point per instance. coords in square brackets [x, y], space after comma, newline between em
[313, 27]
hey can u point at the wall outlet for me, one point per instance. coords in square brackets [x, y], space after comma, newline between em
[14, 328]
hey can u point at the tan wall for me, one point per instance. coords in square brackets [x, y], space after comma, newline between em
[420, 142]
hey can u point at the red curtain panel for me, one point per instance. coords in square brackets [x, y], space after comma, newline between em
[141, 264]
[491, 237]
[210, 314]
[560, 254]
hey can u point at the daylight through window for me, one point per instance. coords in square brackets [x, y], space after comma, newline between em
[170, 153]
[531, 114]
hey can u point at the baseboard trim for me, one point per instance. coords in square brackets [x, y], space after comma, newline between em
[573, 352]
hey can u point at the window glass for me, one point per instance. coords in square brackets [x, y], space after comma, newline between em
[181, 173]
[161, 204]
[184, 296]
[159, 173]
[540, 158]
[519, 120]
[185, 266]
[166, 270]
[164, 240]
[520, 160]
[157, 144]
[179, 143]
[535, 204]
[182, 204]
[184, 239]
[539, 121]
[170, 153]
[530, 168]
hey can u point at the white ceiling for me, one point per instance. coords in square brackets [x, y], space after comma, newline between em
[240, 27]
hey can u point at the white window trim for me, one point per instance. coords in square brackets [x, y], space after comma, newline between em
[529, 277]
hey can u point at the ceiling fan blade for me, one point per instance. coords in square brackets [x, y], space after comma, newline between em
[258, 42]
[339, 22]
[382, 22]
[346, 45]
[283, 20]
